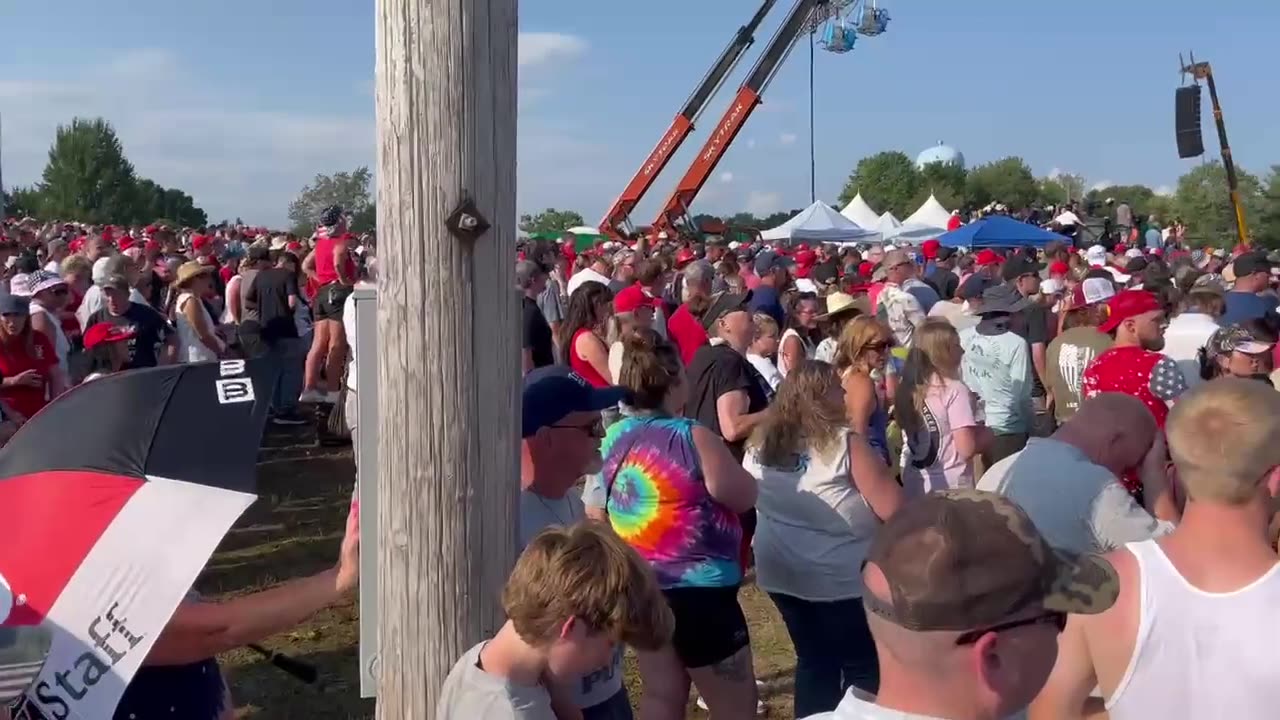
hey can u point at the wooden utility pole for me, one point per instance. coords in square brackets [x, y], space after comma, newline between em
[448, 364]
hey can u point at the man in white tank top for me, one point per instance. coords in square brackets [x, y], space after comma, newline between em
[1193, 633]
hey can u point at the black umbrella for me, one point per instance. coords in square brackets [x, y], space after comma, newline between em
[114, 497]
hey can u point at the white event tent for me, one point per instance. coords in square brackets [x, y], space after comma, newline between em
[931, 215]
[888, 225]
[929, 221]
[819, 223]
[860, 212]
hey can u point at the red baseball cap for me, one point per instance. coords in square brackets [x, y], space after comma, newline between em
[630, 299]
[1128, 304]
[684, 257]
[1059, 268]
[929, 248]
[865, 268]
[105, 332]
[987, 257]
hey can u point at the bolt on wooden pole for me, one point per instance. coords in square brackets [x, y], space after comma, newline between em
[448, 359]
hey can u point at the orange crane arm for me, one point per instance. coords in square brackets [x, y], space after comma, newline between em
[617, 220]
[744, 103]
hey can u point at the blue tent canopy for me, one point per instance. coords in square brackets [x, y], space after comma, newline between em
[999, 231]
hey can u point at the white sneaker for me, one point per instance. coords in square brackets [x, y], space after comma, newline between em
[330, 398]
[702, 704]
[311, 396]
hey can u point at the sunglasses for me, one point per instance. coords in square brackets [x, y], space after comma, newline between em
[593, 429]
[1057, 619]
[880, 346]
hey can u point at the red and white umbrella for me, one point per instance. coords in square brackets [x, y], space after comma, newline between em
[113, 498]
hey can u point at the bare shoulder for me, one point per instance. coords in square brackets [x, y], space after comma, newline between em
[1111, 635]
[1126, 568]
[856, 382]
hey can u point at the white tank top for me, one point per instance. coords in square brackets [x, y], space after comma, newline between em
[1200, 655]
[61, 345]
[813, 528]
[804, 343]
[190, 347]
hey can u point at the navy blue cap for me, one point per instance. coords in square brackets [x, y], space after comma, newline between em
[769, 259]
[553, 392]
[13, 305]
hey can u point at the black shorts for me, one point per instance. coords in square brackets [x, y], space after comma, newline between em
[330, 300]
[710, 626]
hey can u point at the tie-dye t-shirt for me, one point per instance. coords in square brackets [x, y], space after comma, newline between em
[658, 502]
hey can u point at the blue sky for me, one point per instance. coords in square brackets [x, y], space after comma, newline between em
[240, 103]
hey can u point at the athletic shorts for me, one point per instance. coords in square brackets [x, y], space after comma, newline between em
[710, 626]
[330, 300]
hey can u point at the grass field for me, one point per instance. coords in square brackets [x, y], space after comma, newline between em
[294, 530]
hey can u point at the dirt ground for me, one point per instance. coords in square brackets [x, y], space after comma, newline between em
[294, 530]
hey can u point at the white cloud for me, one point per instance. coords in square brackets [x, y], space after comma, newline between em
[726, 177]
[541, 48]
[787, 138]
[760, 202]
[236, 159]
[175, 130]
[1164, 190]
[1055, 172]
[1102, 184]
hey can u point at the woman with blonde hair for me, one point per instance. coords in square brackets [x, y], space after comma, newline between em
[861, 359]
[936, 411]
[764, 348]
[823, 494]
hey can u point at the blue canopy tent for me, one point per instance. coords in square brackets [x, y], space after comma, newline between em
[999, 231]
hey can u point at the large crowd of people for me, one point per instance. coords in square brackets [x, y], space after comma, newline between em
[962, 477]
[975, 484]
[79, 301]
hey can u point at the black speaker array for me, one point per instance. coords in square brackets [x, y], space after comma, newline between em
[1187, 112]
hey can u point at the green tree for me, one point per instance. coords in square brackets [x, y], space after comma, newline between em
[88, 177]
[945, 181]
[23, 201]
[774, 220]
[348, 189]
[1060, 188]
[1007, 181]
[1142, 199]
[1203, 202]
[1267, 221]
[742, 219]
[154, 202]
[551, 220]
[887, 180]
[366, 220]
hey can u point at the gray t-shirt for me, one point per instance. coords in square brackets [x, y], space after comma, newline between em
[536, 514]
[1078, 506]
[470, 693]
[550, 304]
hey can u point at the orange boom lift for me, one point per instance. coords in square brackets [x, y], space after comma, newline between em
[617, 221]
[675, 212]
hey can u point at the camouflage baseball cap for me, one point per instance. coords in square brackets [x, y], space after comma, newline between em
[967, 559]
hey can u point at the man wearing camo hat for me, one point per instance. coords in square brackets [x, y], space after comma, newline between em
[965, 601]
